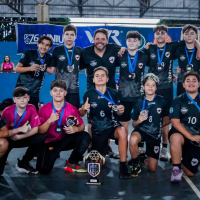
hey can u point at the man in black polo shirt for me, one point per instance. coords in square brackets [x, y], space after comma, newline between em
[103, 106]
[187, 56]
[161, 64]
[185, 134]
[66, 60]
[32, 68]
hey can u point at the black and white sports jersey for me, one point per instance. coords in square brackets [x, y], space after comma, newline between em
[32, 80]
[183, 108]
[165, 72]
[130, 89]
[158, 110]
[180, 54]
[101, 114]
[90, 60]
[64, 72]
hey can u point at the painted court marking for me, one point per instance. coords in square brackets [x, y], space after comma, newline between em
[192, 185]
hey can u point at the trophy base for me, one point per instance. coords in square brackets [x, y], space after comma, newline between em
[93, 181]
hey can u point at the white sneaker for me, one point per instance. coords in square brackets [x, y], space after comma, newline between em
[164, 154]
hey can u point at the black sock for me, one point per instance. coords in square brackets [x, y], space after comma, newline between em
[164, 145]
[177, 165]
[123, 164]
[135, 161]
[141, 144]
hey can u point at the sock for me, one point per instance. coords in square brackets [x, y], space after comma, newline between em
[164, 145]
[141, 144]
[123, 164]
[135, 161]
[177, 165]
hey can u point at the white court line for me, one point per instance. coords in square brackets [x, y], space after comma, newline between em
[192, 185]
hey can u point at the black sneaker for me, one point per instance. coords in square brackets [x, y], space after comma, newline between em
[142, 157]
[136, 169]
[130, 162]
[123, 172]
[25, 167]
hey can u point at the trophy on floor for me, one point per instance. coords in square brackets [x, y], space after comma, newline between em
[92, 162]
[71, 121]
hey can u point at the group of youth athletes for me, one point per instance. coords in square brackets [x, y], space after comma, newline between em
[45, 130]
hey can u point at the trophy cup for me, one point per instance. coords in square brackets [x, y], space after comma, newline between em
[71, 121]
[93, 166]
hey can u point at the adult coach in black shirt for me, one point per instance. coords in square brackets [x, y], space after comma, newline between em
[66, 61]
[187, 56]
[150, 114]
[132, 65]
[103, 106]
[32, 68]
[185, 134]
[161, 64]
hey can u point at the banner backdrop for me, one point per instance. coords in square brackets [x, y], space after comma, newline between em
[28, 34]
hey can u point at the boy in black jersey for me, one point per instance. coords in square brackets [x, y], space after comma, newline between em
[150, 114]
[102, 103]
[161, 58]
[185, 134]
[187, 56]
[32, 68]
[66, 61]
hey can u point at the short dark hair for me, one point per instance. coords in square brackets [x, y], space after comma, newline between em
[101, 30]
[133, 34]
[188, 27]
[190, 73]
[5, 58]
[59, 83]
[70, 27]
[45, 37]
[160, 28]
[20, 91]
[101, 68]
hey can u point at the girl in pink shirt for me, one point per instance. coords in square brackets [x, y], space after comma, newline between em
[7, 66]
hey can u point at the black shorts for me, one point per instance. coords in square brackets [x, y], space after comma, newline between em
[100, 141]
[168, 94]
[190, 153]
[34, 101]
[152, 144]
[126, 116]
[73, 98]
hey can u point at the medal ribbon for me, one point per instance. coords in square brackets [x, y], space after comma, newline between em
[42, 62]
[110, 100]
[189, 59]
[62, 113]
[15, 124]
[158, 54]
[193, 100]
[133, 64]
[69, 60]
[144, 101]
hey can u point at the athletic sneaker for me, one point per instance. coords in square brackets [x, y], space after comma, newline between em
[141, 150]
[164, 154]
[25, 167]
[136, 169]
[123, 172]
[176, 174]
[116, 155]
[74, 167]
[110, 152]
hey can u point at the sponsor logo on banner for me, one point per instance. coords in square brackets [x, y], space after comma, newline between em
[62, 58]
[184, 110]
[93, 63]
[194, 161]
[153, 56]
[159, 110]
[156, 149]
[112, 59]
[77, 57]
[167, 54]
[182, 58]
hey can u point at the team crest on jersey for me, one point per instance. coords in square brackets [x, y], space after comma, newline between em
[123, 64]
[184, 110]
[23, 56]
[112, 59]
[62, 58]
[159, 110]
[77, 57]
[102, 114]
[109, 104]
[153, 56]
[182, 57]
[140, 65]
[194, 161]
[93, 104]
[171, 110]
[167, 54]
[156, 149]
[32, 63]
[70, 68]
[93, 63]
